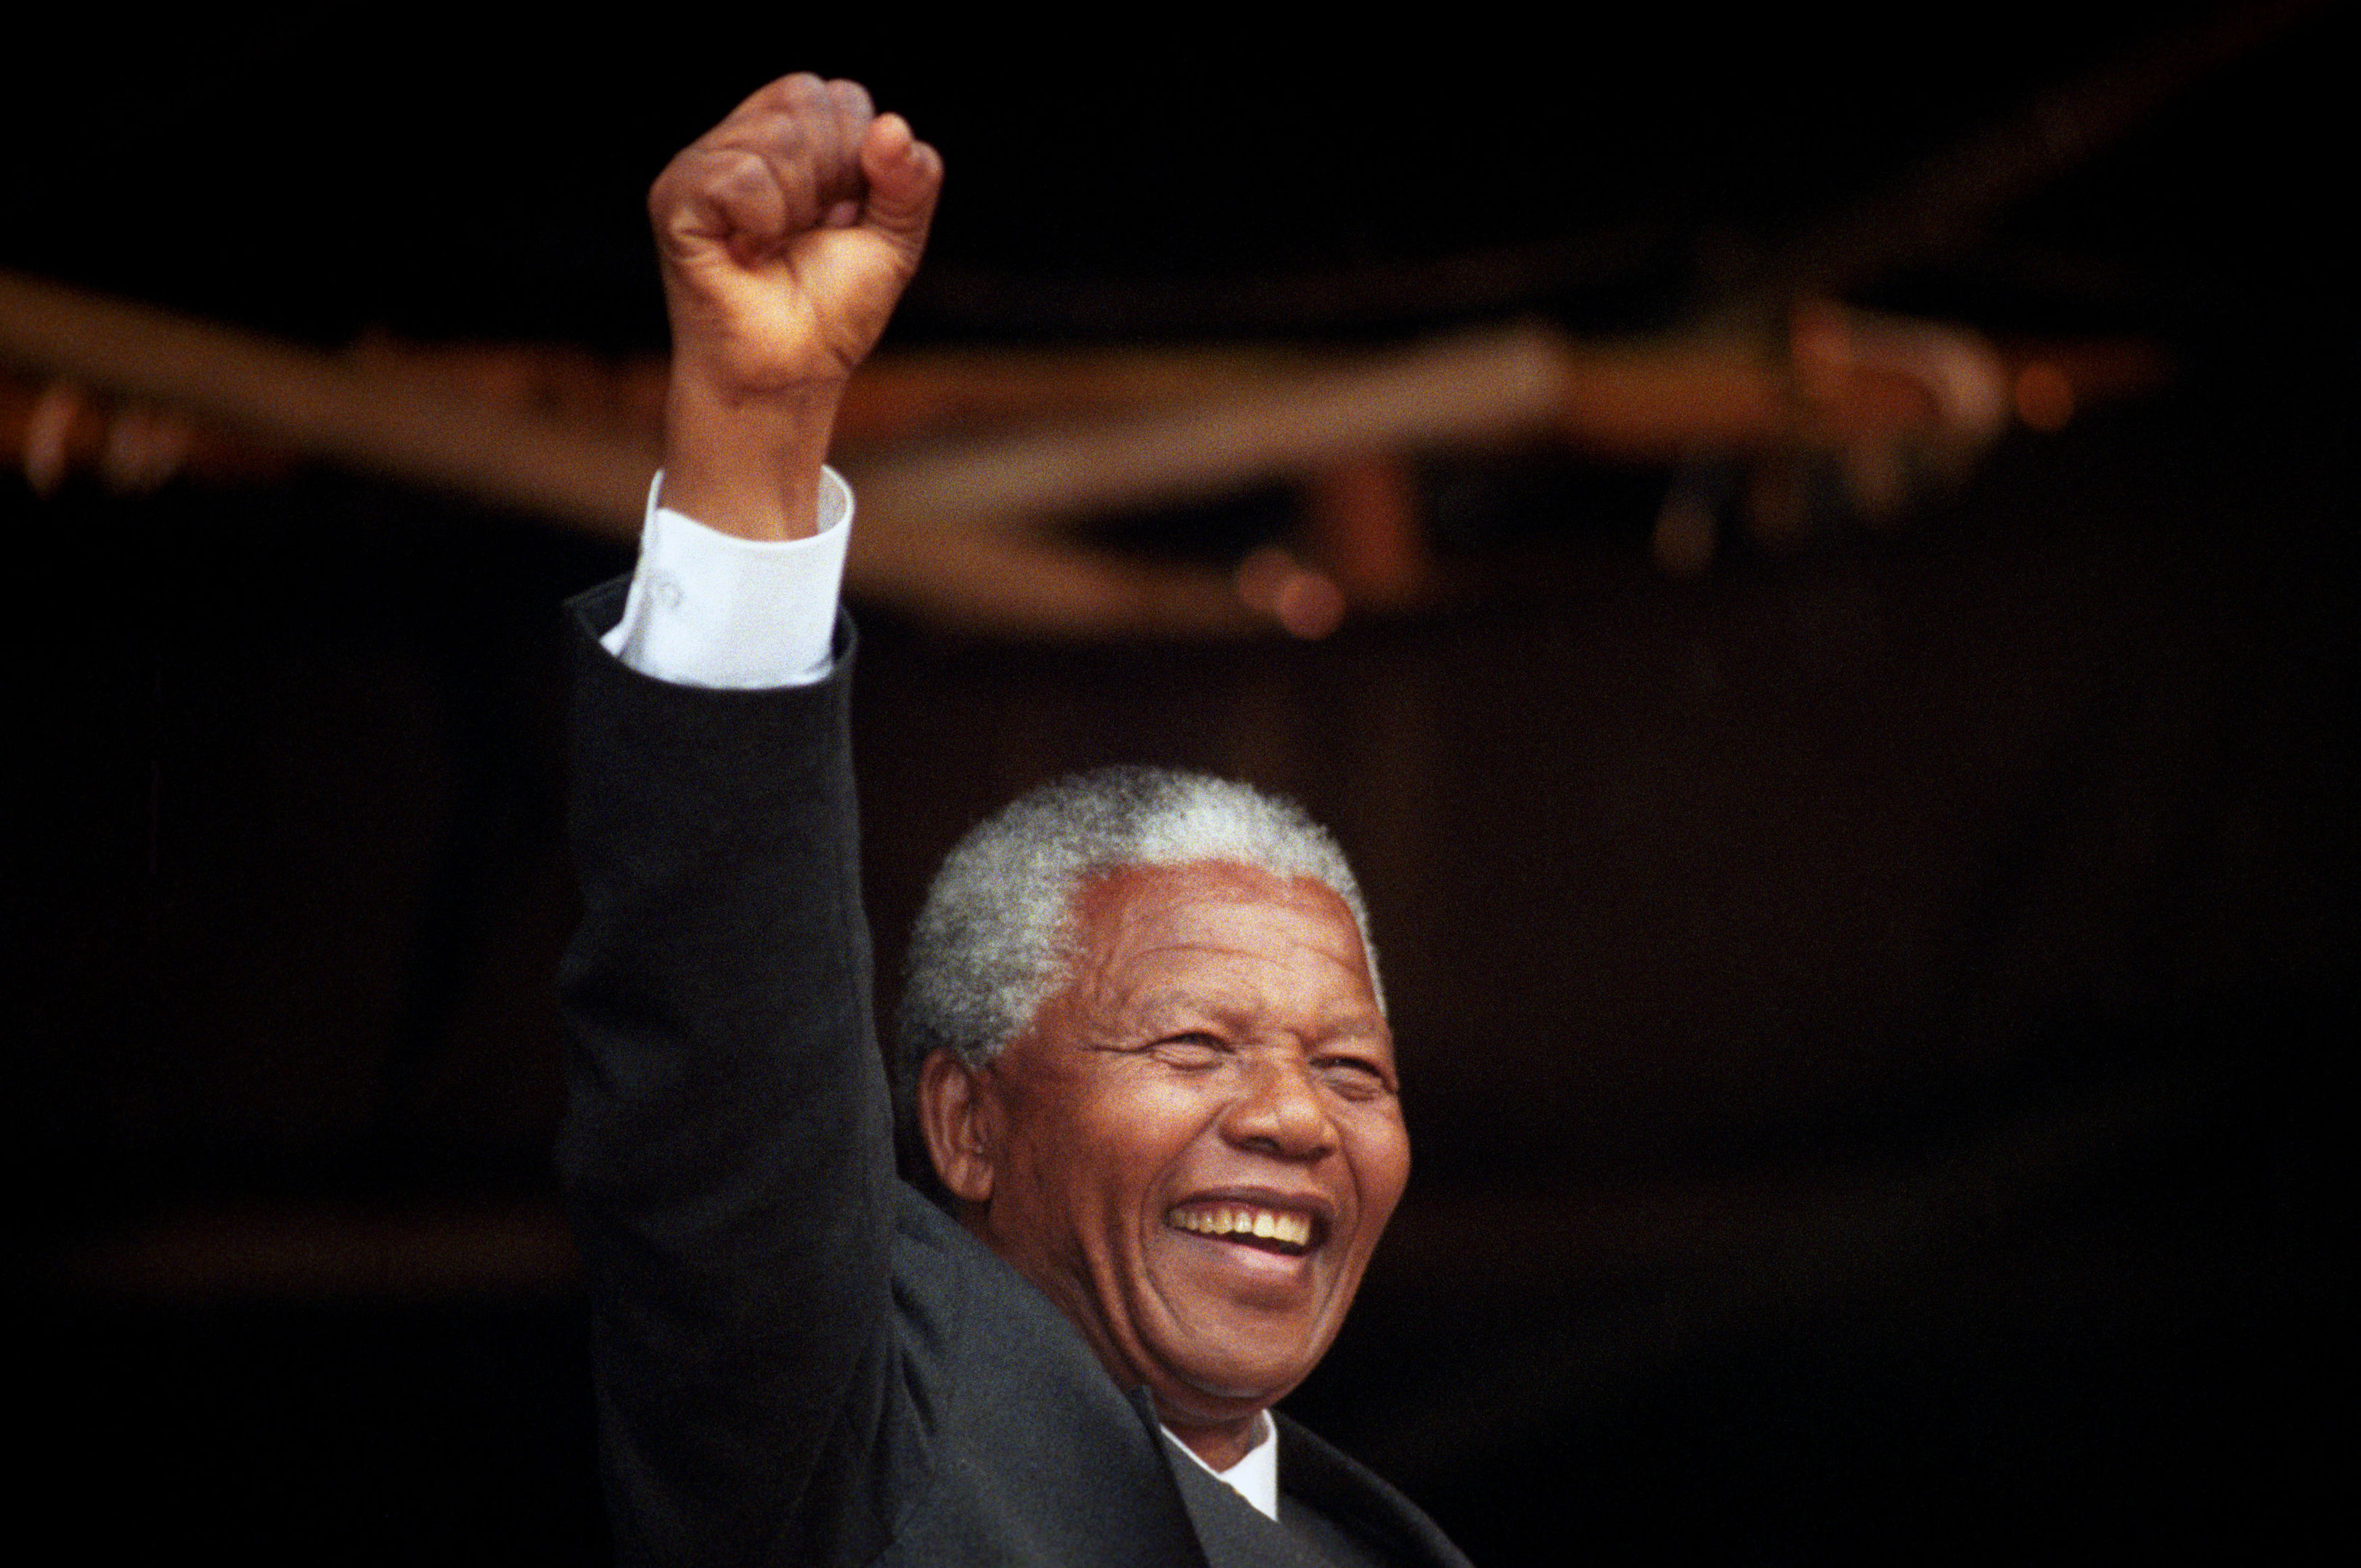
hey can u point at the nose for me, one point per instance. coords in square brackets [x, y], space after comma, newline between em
[1278, 1113]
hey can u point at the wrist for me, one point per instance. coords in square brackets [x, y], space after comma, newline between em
[747, 464]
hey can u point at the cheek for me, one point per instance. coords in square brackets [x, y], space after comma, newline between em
[1380, 1151]
[1105, 1146]
[1150, 1141]
[1038, 1157]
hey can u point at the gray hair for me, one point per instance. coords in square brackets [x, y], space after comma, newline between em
[992, 945]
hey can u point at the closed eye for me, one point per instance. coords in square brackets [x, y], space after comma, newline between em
[1190, 1052]
[1355, 1078]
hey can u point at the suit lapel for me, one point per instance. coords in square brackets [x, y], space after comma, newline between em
[1231, 1532]
[1377, 1523]
[1353, 1496]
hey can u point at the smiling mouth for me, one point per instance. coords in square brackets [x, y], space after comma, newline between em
[1283, 1231]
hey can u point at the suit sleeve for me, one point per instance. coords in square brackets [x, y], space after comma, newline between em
[727, 1151]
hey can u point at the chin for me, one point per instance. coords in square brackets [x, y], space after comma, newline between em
[1232, 1378]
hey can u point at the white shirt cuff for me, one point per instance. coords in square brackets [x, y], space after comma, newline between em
[707, 609]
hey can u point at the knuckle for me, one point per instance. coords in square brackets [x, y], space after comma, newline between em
[669, 194]
[781, 135]
[738, 174]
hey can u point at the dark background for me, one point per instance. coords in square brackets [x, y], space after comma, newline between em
[1871, 1014]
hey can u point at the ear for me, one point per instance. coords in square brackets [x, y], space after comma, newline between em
[954, 1115]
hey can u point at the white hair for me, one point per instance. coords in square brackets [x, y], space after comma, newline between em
[993, 942]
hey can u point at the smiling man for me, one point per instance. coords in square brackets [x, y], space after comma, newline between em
[1143, 1042]
[1181, 1122]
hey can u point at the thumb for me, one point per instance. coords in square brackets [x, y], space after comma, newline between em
[904, 175]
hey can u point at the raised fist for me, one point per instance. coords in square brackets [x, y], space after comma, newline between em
[786, 232]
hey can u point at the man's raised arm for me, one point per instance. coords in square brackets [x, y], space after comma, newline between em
[727, 1153]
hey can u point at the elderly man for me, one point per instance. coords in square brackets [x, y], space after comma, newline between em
[1143, 1044]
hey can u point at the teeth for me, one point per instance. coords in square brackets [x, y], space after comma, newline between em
[1264, 1224]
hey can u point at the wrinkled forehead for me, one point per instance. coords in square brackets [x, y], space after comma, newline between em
[1213, 924]
[1111, 899]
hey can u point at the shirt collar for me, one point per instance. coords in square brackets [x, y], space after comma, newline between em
[1255, 1477]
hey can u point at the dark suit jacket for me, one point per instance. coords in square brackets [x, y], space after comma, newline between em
[799, 1359]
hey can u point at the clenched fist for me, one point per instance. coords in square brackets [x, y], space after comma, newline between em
[785, 232]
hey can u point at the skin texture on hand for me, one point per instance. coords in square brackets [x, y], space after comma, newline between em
[786, 234]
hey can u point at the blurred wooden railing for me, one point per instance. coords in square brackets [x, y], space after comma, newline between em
[969, 463]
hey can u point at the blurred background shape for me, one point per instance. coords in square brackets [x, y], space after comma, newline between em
[1808, 563]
